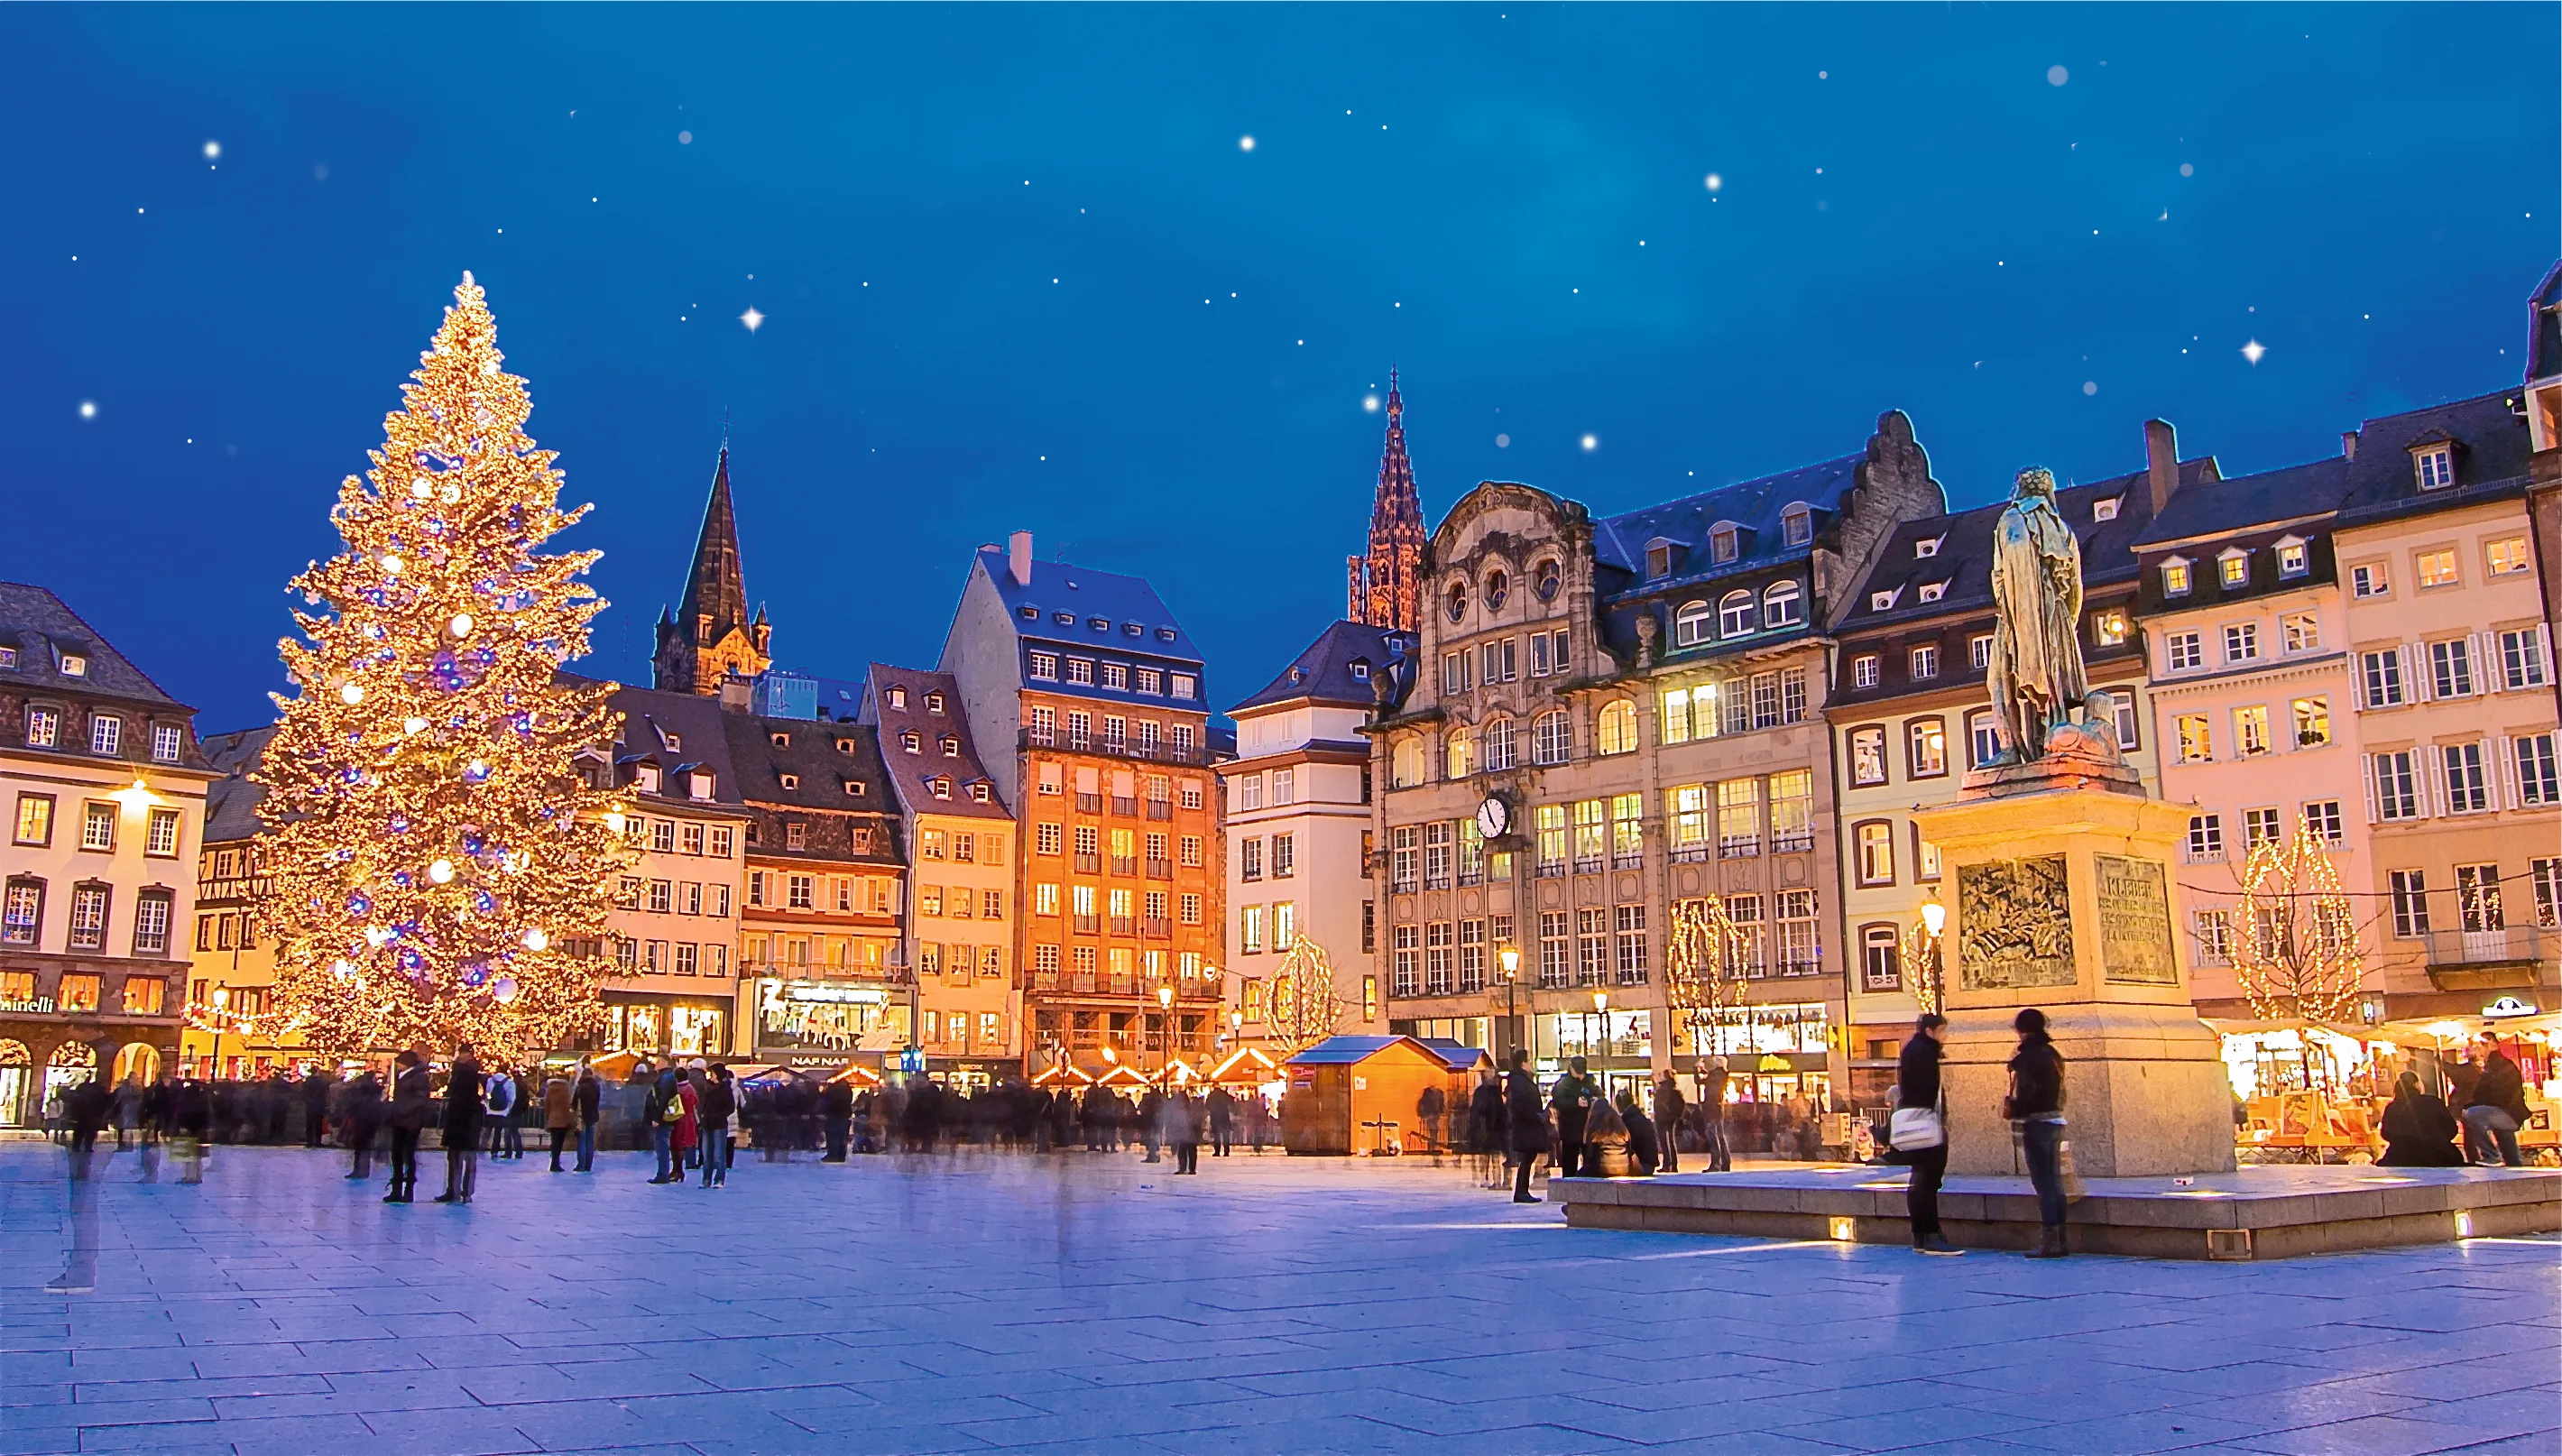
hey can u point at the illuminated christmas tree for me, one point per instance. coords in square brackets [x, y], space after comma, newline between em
[1704, 961]
[441, 868]
[1303, 1008]
[2295, 934]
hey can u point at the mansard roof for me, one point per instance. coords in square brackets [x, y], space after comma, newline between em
[43, 630]
[911, 776]
[2489, 433]
[1325, 671]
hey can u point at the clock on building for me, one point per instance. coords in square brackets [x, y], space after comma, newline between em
[1494, 818]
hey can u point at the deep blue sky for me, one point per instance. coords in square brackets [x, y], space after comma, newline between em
[1018, 271]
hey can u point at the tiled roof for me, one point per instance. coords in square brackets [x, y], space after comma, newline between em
[231, 801]
[819, 757]
[676, 731]
[43, 630]
[1753, 505]
[2241, 502]
[911, 775]
[1963, 558]
[2491, 447]
[1085, 596]
[1325, 671]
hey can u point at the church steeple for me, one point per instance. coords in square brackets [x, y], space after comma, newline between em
[712, 636]
[1384, 587]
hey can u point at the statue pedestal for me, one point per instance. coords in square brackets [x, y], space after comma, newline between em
[2062, 901]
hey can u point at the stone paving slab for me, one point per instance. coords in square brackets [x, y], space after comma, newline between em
[1081, 1303]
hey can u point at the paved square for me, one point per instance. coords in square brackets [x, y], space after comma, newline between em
[1082, 1303]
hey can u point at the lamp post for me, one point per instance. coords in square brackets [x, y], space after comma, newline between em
[1166, 1020]
[1509, 957]
[1921, 953]
[1601, 1008]
[221, 1001]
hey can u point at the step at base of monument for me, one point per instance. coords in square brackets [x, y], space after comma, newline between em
[2254, 1212]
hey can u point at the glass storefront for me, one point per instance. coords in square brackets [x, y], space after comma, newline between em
[797, 1019]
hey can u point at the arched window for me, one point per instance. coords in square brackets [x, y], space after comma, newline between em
[1406, 764]
[1737, 614]
[1615, 731]
[1551, 738]
[1497, 739]
[1458, 600]
[1691, 625]
[1497, 587]
[1546, 579]
[1458, 754]
[1881, 956]
[1780, 606]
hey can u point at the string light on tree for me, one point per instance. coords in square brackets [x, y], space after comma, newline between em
[438, 855]
[1302, 1006]
[2295, 937]
[1704, 958]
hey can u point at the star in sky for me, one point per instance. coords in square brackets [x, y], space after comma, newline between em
[752, 318]
[2253, 350]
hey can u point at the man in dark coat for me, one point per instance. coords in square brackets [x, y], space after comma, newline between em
[1572, 1095]
[315, 1106]
[588, 1093]
[461, 1128]
[1668, 1112]
[837, 1106]
[1712, 1114]
[360, 1111]
[1222, 1122]
[2496, 1109]
[413, 1104]
[1527, 1120]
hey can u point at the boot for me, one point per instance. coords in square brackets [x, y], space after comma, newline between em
[2050, 1243]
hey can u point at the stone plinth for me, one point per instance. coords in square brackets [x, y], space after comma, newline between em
[2249, 1214]
[2062, 901]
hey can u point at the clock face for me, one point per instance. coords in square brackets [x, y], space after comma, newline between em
[1494, 818]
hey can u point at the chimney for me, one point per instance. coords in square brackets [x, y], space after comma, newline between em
[2349, 443]
[1019, 556]
[2161, 463]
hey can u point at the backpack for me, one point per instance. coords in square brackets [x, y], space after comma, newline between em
[502, 1094]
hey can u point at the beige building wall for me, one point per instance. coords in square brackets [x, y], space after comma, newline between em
[1298, 823]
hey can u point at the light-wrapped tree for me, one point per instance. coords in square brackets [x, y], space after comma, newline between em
[1704, 958]
[1301, 1003]
[441, 866]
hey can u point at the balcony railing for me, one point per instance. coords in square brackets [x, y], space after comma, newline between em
[1588, 864]
[1089, 802]
[1796, 841]
[1152, 752]
[1161, 869]
[1086, 924]
[1551, 869]
[1156, 929]
[2515, 945]
[231, 888]
[1627, 859]
[1692, 853]
[1740, 846]
[1160, 808]
[1125, 808]
[1089, 863]
[1125, 864]
[1125, 925]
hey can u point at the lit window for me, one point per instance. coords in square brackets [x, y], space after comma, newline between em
[2234, 568]
[2368, 581]
[1616, 730]
[2293, 558]
[2313, 721]
[2302, 631]
[2196, 743]
[2506, 556]
[2174, 577]
[2108, 629]
[2437, 569]
[2251, 730]
[1868, 756]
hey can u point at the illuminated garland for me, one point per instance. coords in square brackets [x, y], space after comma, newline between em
[1703, 963]
[2295, 937]
[1302, 1005]
[441, 870]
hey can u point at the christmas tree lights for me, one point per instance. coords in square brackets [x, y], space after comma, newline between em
[1704, 958]
[2294, 936]
[441, 868]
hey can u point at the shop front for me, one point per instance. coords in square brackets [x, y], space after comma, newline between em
[812, 1024]
[2319, 1094]
[671, 1026]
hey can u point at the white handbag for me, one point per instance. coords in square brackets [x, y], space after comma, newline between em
[1915, 1128]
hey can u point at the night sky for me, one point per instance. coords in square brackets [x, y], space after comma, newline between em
[1016, 269]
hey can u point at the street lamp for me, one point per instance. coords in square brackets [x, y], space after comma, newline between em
[1922, 955]
[1166, 1020]
[1509, 957]
[1601, 1008]
[222, 1001]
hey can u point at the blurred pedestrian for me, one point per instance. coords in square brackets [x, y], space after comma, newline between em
[717, 1102]
[1222, 1122]
[1920, 1131]
[1572, 1095]
[1645, 1142]
[1183, 1129]
[588, 1094]
[662, 1110]
[2419, 1131]
[461, 1129]
[836, 1107]
[1669, 1113]
[1486, 1127]
[560, 1114]
[412, 1105]
[360, 1113]
[191, 1125]
[315, 1105]
[1712, 1115]
[1528, 1119]
[2036, 1107]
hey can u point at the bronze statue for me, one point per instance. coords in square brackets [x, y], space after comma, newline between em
[2041, 695]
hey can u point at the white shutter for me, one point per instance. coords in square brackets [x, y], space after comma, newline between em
[2413, 690]
[2374, 810]
[2544, 650]
[2434, 770]
[2486, 651]
[2504, 772]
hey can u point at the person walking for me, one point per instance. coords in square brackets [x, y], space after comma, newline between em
[2036, 1107]
[1528, 1119]
[1712, 1115]
[1486, 1127]
[2419, 1131]
[360, 1112]
[412, 1105]
[1222, 1122]
[497, 1105]
[191, 1125]
[1152, 1111]
[587, 1094]
[1429, 1110]
[1669, 1113]
[315, 1107]
[1920, 1131]
[1183, 1129]
[717, 1103]
[1572, 1095]
[836, 1106]
[461, 1129]
[560, 1115]
[662, 1110]
[684, 1135]
[2496, 1109]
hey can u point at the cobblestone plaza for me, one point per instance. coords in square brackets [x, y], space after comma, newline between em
[1081, 1303]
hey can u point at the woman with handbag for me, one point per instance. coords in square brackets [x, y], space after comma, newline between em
[1920, 1131]
[2036, 1106]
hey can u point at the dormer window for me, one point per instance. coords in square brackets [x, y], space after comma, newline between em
[934, 702]
[2106, 511]
[912, 741]
[1724, 544]
[1165, 634]
[1884, 600]
[9, 657]
[1931, 590]
[941, 787]
[1660, 555]
[75, 665]
[1796, 526]
[1028, 612]
[1099, 624]
[853, 788]
[845, 745]
[1063, 619]
[2232, 569]
[671, 742]
[789, 780]
[1132, 628]
[897, 696]
[2175, 577]
[779, 739]
[2294, 557]
[1928, 545]
[647, 776]
[1360, 670]
[2435, 465]
[979, 793]
[951, 746]
[698, 784]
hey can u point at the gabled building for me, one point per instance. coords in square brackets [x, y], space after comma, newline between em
[2247, 635]
[1299, 827]
[232, 971]
[961, 904]
[1907, 714]
[2455, 707]
[1085, 688]
[822, 918]
[711, 639]
[1609, 717]
[104, 787]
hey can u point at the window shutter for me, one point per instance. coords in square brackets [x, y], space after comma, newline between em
[2366, 778]
[2415, 686]
[2544, 650]
[2503, 772]
[2486, 665]
[2434, 770]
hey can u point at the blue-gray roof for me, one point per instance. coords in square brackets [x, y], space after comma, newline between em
[1339, 668]
[1130, 614]
[1754, 506]
[1454, 1055]
[1344, 1050]
[2241, 502]
[2490, 450]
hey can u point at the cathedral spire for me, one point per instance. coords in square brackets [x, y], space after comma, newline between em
[1384, 587]
[711, 635]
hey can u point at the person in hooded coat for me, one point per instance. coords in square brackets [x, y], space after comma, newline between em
[2419, 1131]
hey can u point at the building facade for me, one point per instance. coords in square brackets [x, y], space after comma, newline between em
[1085, 687]
[105, 791]
[1298, 829]
[1606, 719]
[1908, 717]
[2455, 706]
[232, 971]
[959, 937]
